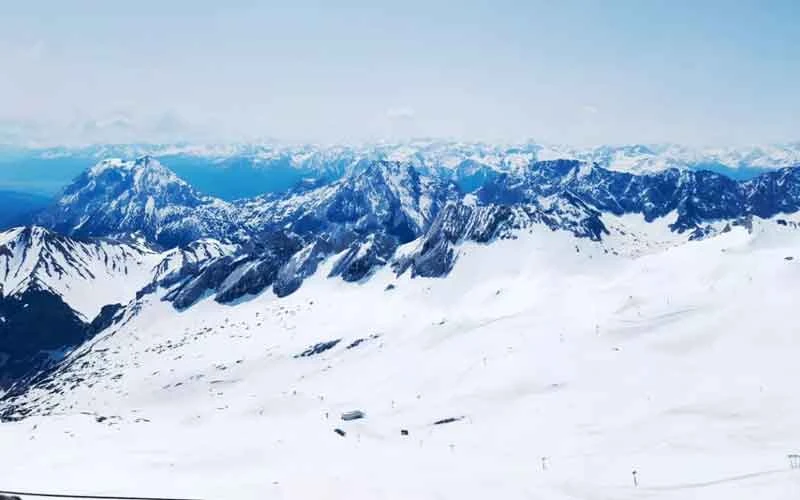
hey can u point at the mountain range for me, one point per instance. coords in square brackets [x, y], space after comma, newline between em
[126, 228]
[552, 323]
[233, 171]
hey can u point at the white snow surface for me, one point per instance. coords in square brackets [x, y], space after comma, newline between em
[677, 363]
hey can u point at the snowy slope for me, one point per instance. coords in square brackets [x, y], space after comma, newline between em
[86, 275]
[676, 364]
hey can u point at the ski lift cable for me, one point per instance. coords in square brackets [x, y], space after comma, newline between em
[91, 497]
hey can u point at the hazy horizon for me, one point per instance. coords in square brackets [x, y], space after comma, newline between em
[574, 72]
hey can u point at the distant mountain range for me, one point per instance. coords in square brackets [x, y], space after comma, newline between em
[233, 171]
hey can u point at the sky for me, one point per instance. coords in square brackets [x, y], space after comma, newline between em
[702, 72]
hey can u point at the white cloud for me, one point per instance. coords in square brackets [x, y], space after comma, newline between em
[118, 127]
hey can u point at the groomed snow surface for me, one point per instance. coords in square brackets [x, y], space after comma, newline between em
[570, 366]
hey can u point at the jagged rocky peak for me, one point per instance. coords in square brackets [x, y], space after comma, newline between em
[20, 237]
[436, 252]
[36, 257]
[148, 172]
[179, 262]
[396, 194]
[116, 198]
[394, 175]
[364, 216]
[382, 196]
[144, 176]
[697, 197]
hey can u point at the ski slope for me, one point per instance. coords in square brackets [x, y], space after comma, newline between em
[678, 362]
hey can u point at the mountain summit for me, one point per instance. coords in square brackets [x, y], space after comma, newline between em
[117, 198]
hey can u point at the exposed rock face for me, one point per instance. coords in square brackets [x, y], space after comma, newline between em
[118, 198]
[363, 257]
[37, 329]
[300, 266]
[206, 279]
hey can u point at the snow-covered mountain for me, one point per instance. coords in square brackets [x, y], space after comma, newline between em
[233, 171]
[52, 288]
[86, 274]
[505, 315]
[698, 197]
[118, 198]
[641, 158]
[364, 217]
[636, 158]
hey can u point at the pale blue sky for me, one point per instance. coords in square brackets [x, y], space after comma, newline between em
[579, 72]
